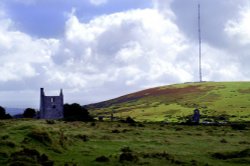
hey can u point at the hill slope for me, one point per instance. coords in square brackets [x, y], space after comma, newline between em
[174, 102]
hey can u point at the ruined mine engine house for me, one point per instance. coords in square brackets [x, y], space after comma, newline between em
[51, 107]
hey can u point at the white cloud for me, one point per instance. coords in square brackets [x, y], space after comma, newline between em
[139, 41]
[129, 52]
[238, 29]
[21, 54]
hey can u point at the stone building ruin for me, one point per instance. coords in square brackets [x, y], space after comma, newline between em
[51, 107]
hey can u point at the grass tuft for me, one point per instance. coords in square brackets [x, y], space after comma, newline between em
[40, 136]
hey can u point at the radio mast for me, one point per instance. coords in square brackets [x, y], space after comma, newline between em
[199, 33]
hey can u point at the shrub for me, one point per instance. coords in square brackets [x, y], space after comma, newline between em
[157, 155]
[3, 154]
[75, 112]
[102, 159]
[84, 138]
[141, 125]
[230, 155]
[49, 121]
[115, 131]
[126, 149]
[129, 120]
[93, 124]
[223, 141]
[238, 126]
[28, 156]
[127, 155]
[4, 137]
[178, 129]
[7, 143]
[26, 140]
[244, 142]
[29, 113]
[3, 114]
[8, 116]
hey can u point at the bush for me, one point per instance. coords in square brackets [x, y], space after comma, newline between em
[231, 155]
[28, 156]
[130, 120]
[8, 116]
[75, 112]
[84, 138]
[4, 137]
[7, 143]
[3, 114]
[102, 159]
[128, 157]
[29, 113]
[49, 121]
[126, 150]
[93, 124]
[223, 141]
[141, 125]
[115, 131]
[158, 155]
[238, 126]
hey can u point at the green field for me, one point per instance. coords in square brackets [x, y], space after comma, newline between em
[40, 142]
[174, 102]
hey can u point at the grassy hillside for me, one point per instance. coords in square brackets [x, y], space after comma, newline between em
[230, 100]
[39, 142]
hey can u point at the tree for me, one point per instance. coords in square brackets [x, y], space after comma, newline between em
[29, 113]
[75, 112]
[2, 113]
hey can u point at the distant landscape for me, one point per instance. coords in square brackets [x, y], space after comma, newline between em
[14, 111]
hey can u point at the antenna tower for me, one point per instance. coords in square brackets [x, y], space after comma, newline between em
[199, 33]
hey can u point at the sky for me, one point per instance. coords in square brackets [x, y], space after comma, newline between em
[96, 50]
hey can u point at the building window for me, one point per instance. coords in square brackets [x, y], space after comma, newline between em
[54, 106]
[52, 99]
